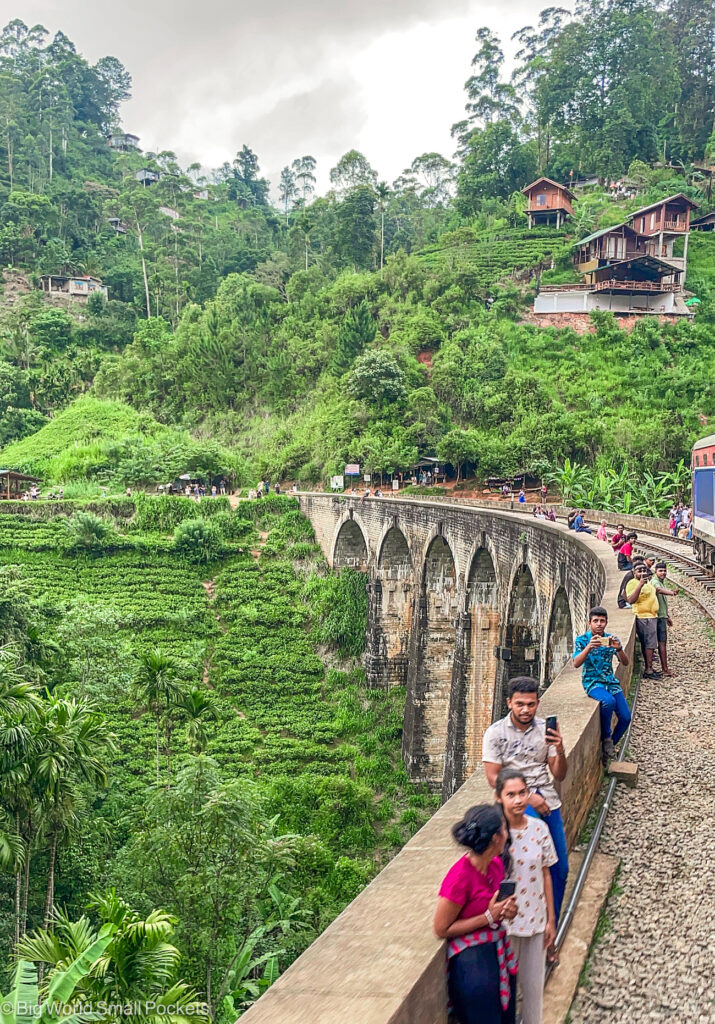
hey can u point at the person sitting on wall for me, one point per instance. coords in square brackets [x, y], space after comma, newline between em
[571, 518]
[593, 654]
[522, 741]
[578, 523]
[625, 552]
[619, 538]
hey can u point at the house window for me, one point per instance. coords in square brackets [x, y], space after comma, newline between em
[652, 220]
[541, 199]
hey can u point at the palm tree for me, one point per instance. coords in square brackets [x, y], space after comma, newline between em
[70, 736]
[159, 687]
[199, 708]
[19, 709]
[137, 965]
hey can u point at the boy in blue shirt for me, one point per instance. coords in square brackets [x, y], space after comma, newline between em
[593, 653]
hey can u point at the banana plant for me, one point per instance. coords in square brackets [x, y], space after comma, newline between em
[22, 1004]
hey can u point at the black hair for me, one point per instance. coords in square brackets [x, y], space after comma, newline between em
[660, 565]
[522, 684]
[479, 826]
[598, 609]
[632, 536]
[636, 559]
[506, 775]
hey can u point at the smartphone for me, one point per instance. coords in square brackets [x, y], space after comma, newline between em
[551, 723]
[506, 889]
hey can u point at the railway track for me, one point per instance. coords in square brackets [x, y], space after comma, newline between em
[697, 581]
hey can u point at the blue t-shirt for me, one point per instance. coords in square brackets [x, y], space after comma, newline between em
[597, 669]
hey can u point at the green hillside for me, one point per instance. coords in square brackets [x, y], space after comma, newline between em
[109, 442]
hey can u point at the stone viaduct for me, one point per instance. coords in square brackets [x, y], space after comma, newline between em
[460, 599]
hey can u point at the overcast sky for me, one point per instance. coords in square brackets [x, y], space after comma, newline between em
[288, 77]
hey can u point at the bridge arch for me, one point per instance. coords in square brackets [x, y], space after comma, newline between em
[521, 652]
[390, 611]
[350, 547]
[560, 637]
[394, 556]
[474, 671]
[432, 654]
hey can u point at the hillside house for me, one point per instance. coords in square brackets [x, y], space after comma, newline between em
[706, 223]
[635, 267]
[120, 226]
[124, 142]
[548, 202]
[72, 287]
[146, 176]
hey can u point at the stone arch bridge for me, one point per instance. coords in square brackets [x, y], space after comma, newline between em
[460, 600]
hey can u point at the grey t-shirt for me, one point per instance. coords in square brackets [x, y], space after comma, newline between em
[526, 750]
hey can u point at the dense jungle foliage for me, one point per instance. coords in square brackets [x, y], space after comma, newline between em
[291, 336]
[187, 726]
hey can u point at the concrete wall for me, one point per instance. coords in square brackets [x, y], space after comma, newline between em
[378, 963]
[584, 301]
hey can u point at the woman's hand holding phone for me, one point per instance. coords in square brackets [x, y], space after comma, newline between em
[500, 909]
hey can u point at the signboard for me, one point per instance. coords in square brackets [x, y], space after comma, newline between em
[337, 483]
[352, 469]
[367, 478]
[395, 484]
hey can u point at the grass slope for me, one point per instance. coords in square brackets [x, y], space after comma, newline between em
[108, 441]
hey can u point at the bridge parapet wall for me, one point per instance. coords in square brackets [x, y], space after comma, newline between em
[378, 962]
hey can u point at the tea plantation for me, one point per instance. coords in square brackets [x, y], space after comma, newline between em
[257, 642]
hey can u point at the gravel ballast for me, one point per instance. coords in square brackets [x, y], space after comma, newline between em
[655, 962]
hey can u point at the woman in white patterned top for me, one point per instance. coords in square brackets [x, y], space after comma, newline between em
[530, 855]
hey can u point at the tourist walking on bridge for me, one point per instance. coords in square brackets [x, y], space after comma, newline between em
[528, 859]
[481, 967]
[593, 654]
[522, 741]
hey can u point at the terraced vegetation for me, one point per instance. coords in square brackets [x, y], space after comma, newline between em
[493, 257]
[270, 707]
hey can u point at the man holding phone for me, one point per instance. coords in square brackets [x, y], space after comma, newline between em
[522, 741]
[593, 654]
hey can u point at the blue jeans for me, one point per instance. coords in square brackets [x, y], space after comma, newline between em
[611, 702]
[560, 870]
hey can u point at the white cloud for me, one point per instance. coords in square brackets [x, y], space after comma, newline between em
[286, 78]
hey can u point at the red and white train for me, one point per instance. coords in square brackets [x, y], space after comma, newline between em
[703, 466]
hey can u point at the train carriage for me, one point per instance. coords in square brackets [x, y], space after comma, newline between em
[703, 466]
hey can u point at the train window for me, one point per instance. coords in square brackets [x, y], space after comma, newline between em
[697, 460]
[705, 458]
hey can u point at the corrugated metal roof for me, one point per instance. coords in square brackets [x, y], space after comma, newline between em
[603, 231]
[705, 442]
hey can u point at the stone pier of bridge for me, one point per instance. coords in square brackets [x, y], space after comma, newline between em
[460, 600]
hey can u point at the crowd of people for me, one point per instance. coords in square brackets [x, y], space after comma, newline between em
[541, 512]
[499, 904]
[680, 521]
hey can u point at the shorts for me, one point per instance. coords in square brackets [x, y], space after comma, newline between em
[662, 630]
[647, 630]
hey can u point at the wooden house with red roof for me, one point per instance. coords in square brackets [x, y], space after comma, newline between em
[548, 202]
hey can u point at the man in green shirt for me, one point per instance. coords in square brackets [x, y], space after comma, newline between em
[664, 619]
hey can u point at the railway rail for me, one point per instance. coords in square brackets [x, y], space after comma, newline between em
[695, 579]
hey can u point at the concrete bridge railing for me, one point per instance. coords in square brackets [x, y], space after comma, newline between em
[451, 594]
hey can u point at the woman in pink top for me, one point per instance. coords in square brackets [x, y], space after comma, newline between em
[481, 965]
[602, 531]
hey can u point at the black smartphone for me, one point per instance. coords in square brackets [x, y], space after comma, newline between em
[506, 889]
[551, 722]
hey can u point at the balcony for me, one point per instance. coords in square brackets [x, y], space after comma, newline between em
[656, 287]
[674, 225]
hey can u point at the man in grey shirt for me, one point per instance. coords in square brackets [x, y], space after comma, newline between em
[521, 741]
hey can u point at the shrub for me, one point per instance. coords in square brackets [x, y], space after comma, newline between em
[197, 540]
[87, 532]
